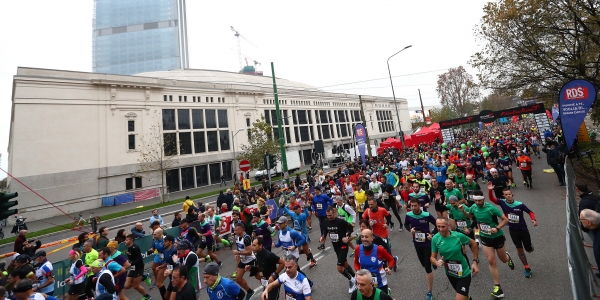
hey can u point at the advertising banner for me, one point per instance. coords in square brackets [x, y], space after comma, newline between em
[575, 99]
[361, 141]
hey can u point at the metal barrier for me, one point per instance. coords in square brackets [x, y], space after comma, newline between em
[582, 276]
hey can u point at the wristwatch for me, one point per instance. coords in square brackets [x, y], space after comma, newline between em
[476, 260]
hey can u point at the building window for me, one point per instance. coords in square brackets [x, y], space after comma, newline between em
[129, 183]
[179, 98]
[171, 98]
[131, 126]
[227, 170]
[131, 141]
[194, 99]
[168, 116]
[184, 98]
[224, 139]
[201, 175]
[206, 99]
[211, 119]
[215, 173]
[185, 143]
[173, 180]
[165, 97]
[183, 119]
[213, 141]
[138, 182]
[170, 144]
[198, 118]
[187, 178]
[222, 118]
[199, 142]
[211, 99]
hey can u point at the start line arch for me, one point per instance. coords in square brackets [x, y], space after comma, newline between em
[488, 116]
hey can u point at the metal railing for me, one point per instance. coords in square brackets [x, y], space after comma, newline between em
[583, 281]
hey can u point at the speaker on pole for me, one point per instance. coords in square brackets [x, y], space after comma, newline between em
[319, 146]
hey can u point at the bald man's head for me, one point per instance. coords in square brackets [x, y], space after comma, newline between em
[366, 236]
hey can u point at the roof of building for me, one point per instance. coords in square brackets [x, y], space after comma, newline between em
[224, 77]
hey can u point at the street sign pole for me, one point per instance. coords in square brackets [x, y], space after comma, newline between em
[284, 165]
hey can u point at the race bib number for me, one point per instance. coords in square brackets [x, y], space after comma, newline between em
[460, 185]
[505, 168]
[512, 218]
[264, 282]
[204, 239]
[374, 279]
[319, 206]
[454, 267]
[512, 151]
[334, 237]
[478, 163]
[162, 256]
[485, 229]
[523, 165]
[289, 297]
[420, 237]
[461, 225]
[438, 174]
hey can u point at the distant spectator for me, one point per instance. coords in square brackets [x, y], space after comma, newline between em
[102, 240]
[176, 220]
[191, 215]
[29, 248]
[201, 207]
[80, 240]
[187, 204]
[22, 238]
[121, 234]
[155, 216]
[223, 180]
[155, 225]
[138, 230]
[224, 208]
[588, 201]
[591, 220]
[229, 198]
[221, 199]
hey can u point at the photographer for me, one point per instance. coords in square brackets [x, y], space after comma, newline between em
[30, 246]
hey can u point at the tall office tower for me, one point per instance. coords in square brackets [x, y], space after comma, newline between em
[135, 36]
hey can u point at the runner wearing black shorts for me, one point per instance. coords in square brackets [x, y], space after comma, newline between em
[135, 274]
[339, 232]
[435, 190]
[207, 240]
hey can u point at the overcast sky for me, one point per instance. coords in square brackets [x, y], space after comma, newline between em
[321, 43]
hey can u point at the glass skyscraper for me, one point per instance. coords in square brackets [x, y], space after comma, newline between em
[135, 36]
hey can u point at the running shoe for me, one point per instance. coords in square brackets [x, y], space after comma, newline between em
[309, 228]
[249, 294]
[352, 253]
[234, 275]
[153, 286]
[510, 262]
[514, 185]
[147, 297]
[391, 226]
[395, 263]
[220, 263]
[313, 264]
[527, 273]
[207, 259]
[321, 247]
[389, 291]
[497, 293]
[400, 229]
[429, 296]
[351, 285]
[524, 182]
[147, 280]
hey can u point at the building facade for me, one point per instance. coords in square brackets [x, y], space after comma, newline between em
[135, 36]
[76, 137]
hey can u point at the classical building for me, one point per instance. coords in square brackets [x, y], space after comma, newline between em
[77, 137]
[134, 36]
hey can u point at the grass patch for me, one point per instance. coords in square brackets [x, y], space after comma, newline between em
[585, 160]
[125, 213]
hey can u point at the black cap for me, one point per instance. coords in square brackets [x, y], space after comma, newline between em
[23, 258]
[23, 285]
[40, 253]
[256, 214]
[211, 269]
[169, 238]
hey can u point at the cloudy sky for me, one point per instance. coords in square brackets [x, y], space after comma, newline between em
[322, 43]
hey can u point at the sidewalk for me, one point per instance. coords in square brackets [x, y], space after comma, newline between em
[107, 210]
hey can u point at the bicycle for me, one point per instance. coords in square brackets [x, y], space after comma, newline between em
[80, 222]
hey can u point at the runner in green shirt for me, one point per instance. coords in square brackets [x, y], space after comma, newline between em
[460, 218]
[449, 245]
[214, 221]
[490, 221]
[460, 179]
[469, 187]
[451, 190]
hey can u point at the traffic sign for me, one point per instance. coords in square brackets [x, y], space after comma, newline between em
[244, 166]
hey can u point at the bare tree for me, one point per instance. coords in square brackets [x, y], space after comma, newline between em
[158, 152]
[457, 90]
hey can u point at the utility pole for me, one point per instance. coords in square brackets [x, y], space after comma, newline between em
[364, 123]
[281, 140]
[422, 108]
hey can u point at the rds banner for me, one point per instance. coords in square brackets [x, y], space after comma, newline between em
[575, 99]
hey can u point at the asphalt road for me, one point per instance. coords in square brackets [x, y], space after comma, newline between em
[550, 278]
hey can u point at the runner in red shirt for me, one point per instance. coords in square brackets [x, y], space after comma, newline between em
[376, 216]
[524, 164]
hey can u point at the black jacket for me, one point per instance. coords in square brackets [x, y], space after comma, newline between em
[267, 262]
[588, 201]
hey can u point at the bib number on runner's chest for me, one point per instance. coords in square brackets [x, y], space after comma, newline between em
[334, 237]
[505, 168]
[374, 279]
[512, 218]
[478, 163]
[289, 297]
[523, 165]
[462, 225]
[319, 206]
[485, 228]
[438, 174]
[454, 267]
[420, 237]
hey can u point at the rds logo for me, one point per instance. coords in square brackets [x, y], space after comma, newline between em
[576, 93]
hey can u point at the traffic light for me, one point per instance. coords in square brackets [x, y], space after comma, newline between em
[5, 212]
[272, 160]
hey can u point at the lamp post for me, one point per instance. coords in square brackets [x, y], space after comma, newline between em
[394, 94]
[234, 160]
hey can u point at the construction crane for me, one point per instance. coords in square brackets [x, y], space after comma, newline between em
[238, 35]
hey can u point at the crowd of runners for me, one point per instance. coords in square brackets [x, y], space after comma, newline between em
[441, 188]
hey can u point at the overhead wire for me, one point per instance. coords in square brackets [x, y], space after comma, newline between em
[368, 80]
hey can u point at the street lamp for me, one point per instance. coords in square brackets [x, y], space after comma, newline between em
[234, 160]
[394, 94]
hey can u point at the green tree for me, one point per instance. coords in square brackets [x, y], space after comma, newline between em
[439, 114]
[532, 47]
[417, 122]
[457, 90]
[496, 101]
[261, 142]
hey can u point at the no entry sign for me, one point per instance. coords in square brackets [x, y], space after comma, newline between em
[244, 166]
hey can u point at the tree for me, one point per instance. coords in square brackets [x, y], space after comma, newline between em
[496, 101]
[158, 153]
[532, 47]
[417, 121]
[439, 114]
[457, 90]
[261, 142]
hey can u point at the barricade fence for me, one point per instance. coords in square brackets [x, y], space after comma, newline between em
[583, 281]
